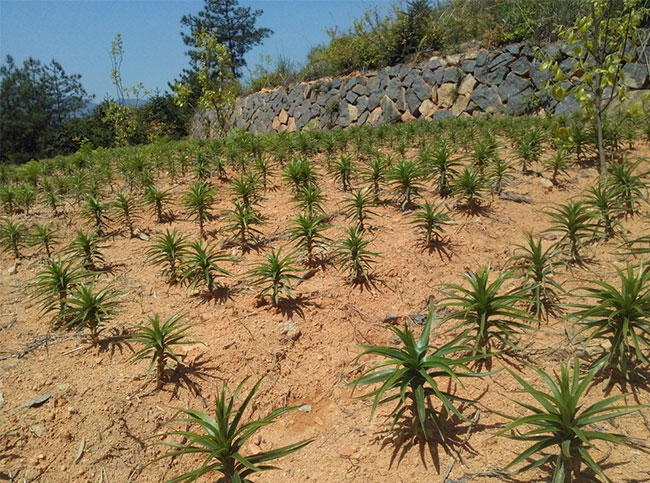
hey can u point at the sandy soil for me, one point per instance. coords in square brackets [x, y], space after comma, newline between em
[99, 424]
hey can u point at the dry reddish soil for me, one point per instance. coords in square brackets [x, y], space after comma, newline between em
[104, 412]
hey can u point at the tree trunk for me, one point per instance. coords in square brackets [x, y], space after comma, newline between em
[602, 162]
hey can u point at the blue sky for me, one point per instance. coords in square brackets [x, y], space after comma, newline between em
[78, 34]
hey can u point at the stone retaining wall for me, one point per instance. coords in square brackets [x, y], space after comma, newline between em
[508, 80]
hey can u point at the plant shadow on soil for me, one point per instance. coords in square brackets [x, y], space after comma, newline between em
[295, 305]
[189, 375]
[444, 248]
[401, 438]
[220, 295]
[115, 341]
[549, 468]
[476, 209]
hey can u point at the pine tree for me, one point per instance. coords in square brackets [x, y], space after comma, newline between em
[232, 25]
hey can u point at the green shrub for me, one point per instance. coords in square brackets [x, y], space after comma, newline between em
[307, 232]
[486, 312]
[430, 220]
[406, 177]
[574, 222]
[159, 342]
[88, 247]
[168, 249]
[97, 214]
[357, 207]
[157, 200]
[561, 420]
[199, 201]
[53, 286]
[13, 237]
[88, 308]
[223, 437]
[621, 316]
[416, 376]
[352, 255]
[127, 211]
[200, 266]
[536, 266]
[275, 274]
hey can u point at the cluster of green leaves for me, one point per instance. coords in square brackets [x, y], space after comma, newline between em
[600, 43]
[168, 249]
[430, 220]
[13, 237]
[375, 41]
[200, 266]
[53, 286]
[87, 247]
[560, 420]
[275, 274]
[158, 343]
[415, 375]
[487, 312]
[352, 255]
[536, 267]
[307, 233]
[222, 438]
[620, 316]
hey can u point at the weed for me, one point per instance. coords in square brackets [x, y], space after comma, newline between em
[275, 274]
[87, 308]
[168, 249]
[159, 342]
[416, 374]
[430, 220]
[486, 312]
[199, 201]
[223, 437]
[620, 316]
[13, 237]
[200, 266]
[307, 232]
[352, 255]
[562, 421]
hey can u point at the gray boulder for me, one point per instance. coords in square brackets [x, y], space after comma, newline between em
[394, 70]
[568, 106]
[521, 66]
[351, 97]
[513, 85]
[405, 71]
[442, 115]
[394, 89]
[453, 74]
[411, 78]
[468, 66]
[538, 76]
[486, 98]
[360, 89]
[501, 60]
[481, 59]
[433, 64]
[496, 77]
[362, 104]
[412, 101]
[389, 109]
[481, 73]
[568, 64]
[553, 52]
[374, 100]
[635, 75]
[421, 89]
[520, 103]
[429, 76]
